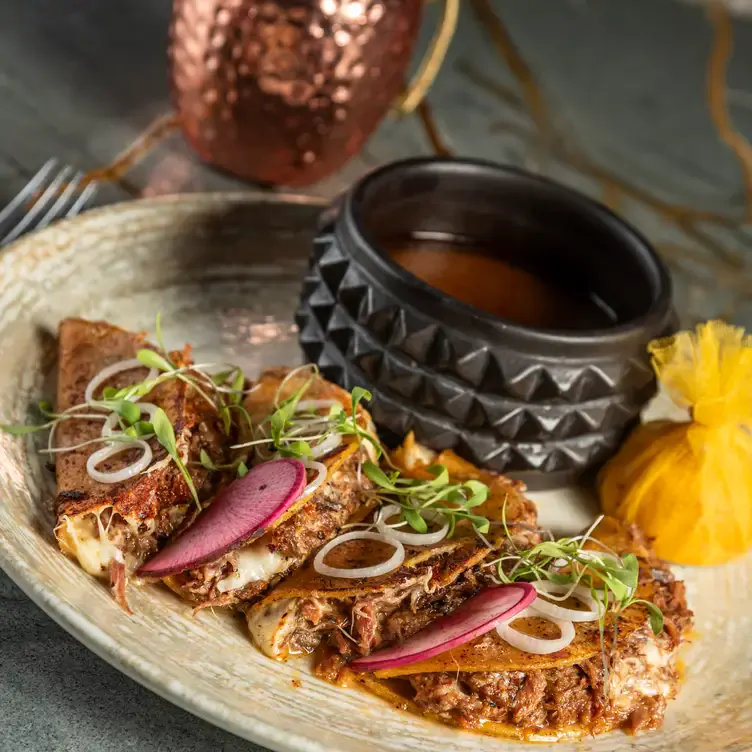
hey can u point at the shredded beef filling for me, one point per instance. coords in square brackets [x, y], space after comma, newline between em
[347, 628]
[357, 626]
[554, 698]
[313, 525]
[642, 676]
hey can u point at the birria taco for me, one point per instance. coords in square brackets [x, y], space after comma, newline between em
[116, 501]
[615, 672]
[324, 608]
[320, 414]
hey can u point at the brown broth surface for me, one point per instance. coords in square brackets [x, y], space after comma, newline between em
[496, 286]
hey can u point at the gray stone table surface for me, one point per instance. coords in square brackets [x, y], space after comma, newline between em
[609, 97]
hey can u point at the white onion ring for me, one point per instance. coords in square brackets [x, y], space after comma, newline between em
[326, 445]
[115, 447]
[411, 539]
[351, 574]
[110, 371]
[536, 645]
[595, 609]
[314, 485]
[112, 418]
[316, 404]
[593, 555]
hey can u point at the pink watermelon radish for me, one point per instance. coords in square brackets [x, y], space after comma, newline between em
[241, 512]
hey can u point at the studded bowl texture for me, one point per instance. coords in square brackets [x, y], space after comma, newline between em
[543, 405]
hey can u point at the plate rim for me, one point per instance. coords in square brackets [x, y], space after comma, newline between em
[199, 197]
[86, 631]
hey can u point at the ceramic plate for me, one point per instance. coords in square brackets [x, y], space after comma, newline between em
[225, 271]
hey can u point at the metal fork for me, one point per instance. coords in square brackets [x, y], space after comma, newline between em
[51, 194]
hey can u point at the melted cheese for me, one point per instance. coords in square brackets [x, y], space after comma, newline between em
[86, 539]
[270, 624]
[648, 673]
[252, 564]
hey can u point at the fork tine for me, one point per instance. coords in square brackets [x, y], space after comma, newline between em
[28, 190]
[39, 205]
[58, 209]
[90, 189]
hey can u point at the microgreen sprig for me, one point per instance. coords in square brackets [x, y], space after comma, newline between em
[238, 467]
[282, 434]
[347, 425]
[567, 562]
[611, 578]
[224, 391]
[165, 434]
[454, 501]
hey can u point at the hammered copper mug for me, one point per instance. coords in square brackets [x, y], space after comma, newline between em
[285, 92]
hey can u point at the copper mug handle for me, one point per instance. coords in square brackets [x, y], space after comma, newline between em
[434, 57]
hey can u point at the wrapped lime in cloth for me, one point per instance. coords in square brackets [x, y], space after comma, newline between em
[689, 485]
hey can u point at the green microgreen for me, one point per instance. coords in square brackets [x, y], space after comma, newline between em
[25, 430]
[140, 429]
[165, 434]
[418, 499]
[347, 425]
[160, 341]
[612, 579]
[152, 359]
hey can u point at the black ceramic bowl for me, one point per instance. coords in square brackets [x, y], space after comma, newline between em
[543, 405]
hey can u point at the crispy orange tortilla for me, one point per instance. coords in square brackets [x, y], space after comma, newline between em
[271, 388]
[332, 464]
[507, 496]
[85, 348]
[490, 653]
[449, 560]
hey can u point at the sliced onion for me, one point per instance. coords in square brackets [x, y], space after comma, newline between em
[241, 512]
[316, 404]
[113, 448]
[536, 645]
[326, 445]
[593, 555]
[474, 617]
[110, 371]
[411, 539]
[560, 612]
[315, 484]
[390, 564]
[307, 424]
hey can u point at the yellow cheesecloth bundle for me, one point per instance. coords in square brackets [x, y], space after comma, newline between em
[689, 485]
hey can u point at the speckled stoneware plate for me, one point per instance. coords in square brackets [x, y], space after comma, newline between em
[225, 271]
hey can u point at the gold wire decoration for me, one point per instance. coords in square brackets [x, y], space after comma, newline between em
[154, 133]
[717, 83]
[426, 116]
[429, 68]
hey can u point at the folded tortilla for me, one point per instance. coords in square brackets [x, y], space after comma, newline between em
[490, 684]
[111, 528]
[350, 617]
[244, 574]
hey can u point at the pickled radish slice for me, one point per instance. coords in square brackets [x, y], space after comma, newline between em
[476, 616]
[241, 512]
